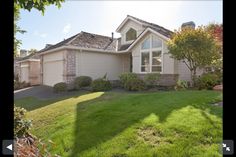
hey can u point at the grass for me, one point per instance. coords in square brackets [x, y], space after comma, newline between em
[114, 124]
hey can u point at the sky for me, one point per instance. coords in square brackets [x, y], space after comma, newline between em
[103, 17]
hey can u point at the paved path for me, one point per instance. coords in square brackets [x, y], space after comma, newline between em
[41, 92]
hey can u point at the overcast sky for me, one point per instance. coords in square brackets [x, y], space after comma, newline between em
[103, 17]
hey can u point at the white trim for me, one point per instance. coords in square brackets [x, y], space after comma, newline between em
[31, 60]
[24, 66]
[124, 22]
[150, 50]
[57, 60]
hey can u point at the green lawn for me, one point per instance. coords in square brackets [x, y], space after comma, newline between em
[115, 124]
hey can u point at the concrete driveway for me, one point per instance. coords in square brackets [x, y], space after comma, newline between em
[40, 92]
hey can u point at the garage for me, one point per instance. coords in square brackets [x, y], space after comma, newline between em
[52, 68]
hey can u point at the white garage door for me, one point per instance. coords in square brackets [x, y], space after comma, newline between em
[25, 74]
[52, 72]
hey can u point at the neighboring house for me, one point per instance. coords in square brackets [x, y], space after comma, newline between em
[28, 69]
[141, 49]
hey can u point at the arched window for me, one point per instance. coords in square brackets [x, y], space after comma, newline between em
[151, 55]
[131, 34]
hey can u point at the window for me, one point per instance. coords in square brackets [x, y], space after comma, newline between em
[151, 55]
[131, 34]
[145, 62]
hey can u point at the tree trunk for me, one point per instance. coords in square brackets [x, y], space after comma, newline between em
[194, 77]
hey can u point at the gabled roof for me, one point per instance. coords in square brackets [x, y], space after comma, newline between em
[31, 56]
[146, 24]
[87, 40]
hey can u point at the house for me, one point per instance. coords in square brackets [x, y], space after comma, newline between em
[141, 49]
[28, 69]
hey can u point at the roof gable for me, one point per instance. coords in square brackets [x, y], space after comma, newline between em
[146, 24]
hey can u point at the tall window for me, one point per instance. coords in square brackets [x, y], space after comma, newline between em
[151, 55]
[131, 34]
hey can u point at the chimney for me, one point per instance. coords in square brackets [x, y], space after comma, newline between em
[189, 24]
[112, 36]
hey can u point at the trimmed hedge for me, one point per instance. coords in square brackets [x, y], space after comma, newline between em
[82, 81]
[151, 79]
[60, 87]
[135, 84]
[101, 85]
[127, 76]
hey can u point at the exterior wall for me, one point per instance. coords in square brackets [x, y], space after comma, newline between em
[34, 72]
[184, 72]
[168, 63]
[52, 68]
[97, 64]
[130, 24]
[126, 62]
[24, 72]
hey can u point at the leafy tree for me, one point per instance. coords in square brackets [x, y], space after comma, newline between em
[31, 51]
[216, 30]
[195, 47]
[28, 5]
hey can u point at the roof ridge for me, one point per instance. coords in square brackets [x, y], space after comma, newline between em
[149, 23]
[97, 34]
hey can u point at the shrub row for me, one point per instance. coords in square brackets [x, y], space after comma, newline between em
[80, 82]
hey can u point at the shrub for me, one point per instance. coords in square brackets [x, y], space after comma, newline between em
[207, 81]
[82, 81]
[134, 84]
[181, 85]
[21, 124]
[151, 79]
[60, 87]
[127, 76]
[101, 85]
[20, 85]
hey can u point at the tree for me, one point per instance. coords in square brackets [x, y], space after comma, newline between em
[195, 47]
[28, 5]
[32, 51]
[216, 30]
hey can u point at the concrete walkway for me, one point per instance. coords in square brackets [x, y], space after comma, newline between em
[40, 92]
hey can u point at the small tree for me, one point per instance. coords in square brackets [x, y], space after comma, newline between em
[195, 47]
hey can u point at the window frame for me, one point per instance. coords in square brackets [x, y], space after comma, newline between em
[127, 41]
[150, 50]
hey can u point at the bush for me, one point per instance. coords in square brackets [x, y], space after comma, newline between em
[20, 85]
[82, 81]
[181, 85]
[127, 76]
[101, 85]
[207, 81]
[151, 79]
[134, 84]
[21, 124]
[60, 87]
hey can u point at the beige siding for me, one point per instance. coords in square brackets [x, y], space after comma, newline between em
[127, 26]
[168, 64]
[97, 64]
[184, 72]
[53, 68]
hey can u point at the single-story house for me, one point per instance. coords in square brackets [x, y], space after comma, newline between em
[141, 49]
[28, 69]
